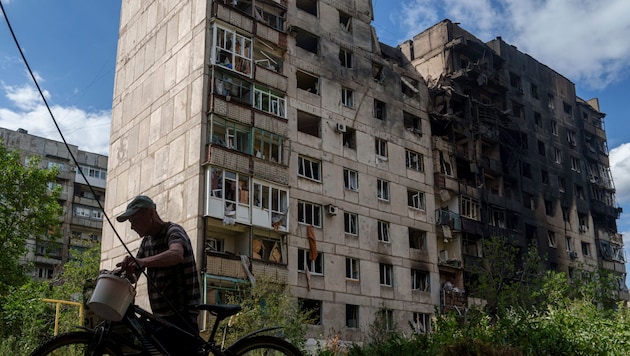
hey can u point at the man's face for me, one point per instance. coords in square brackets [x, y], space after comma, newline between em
[140, 222]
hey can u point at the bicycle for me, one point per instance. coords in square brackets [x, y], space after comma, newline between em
[113, 338]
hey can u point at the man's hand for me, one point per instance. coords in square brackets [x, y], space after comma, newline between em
[131, 266]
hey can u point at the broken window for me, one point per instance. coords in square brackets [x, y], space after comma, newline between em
[309, 6]
[416, 199]
[269, 101]
[379, 109]
[268, 145]
[345, 22]
[551, 239]
[307, 82]
[267, 57]
[548, 207]
[230, 134]
[377, 72]
[414, 160]
[409, 87]
[417, 239]
[268, 249]
[554, 128]
[497, 217]
[310, 307]
[534, 91]
[544, 177]
[515, 82]
[568, 110]
[306, 40]
[538, 119]
[349, 138]
[557, 153]
[308, 123]
[551, 101]
[470, 208]
[541, 148]
[232, 50]
[232, 87]
[575, 164]
[346, 58]
[517, 109]
[420, 280]
[412, 123]
[270, 15]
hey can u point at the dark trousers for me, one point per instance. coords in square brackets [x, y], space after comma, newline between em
[179, 344]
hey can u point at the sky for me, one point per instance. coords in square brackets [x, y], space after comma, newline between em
[71, 46]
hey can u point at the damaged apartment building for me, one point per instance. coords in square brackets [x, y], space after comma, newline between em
[290, 144]
[516, 154]
[293, 146]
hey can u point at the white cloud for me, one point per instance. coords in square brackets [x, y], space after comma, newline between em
[87, 130]
[581, 39]
[619, 158]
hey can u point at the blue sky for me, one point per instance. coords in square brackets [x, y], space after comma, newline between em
[71, 46]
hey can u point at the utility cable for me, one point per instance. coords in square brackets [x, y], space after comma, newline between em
[28, 67]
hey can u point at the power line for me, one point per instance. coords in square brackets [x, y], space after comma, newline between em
[41, 94]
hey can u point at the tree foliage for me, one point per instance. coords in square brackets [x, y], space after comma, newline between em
[26, 320]
[268, 304]
[28, 209]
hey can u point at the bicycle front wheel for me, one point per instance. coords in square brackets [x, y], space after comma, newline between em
[263, 345]
[79, 343]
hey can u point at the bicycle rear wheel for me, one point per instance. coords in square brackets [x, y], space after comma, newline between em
[79, 343]
[264, 345]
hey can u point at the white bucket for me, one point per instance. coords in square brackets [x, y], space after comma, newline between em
[111, 297]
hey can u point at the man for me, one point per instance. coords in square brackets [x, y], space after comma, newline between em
[167, 255]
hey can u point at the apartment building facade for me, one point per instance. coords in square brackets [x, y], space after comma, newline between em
[82, 222]
[291, 145]
[516, 154]
[294, 146]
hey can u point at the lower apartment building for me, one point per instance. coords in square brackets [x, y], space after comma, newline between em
[292, 145]
[82, 222]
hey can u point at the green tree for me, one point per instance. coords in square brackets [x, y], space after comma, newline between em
[504, 277]
[28, 209]
[26, 320]
[268, 304]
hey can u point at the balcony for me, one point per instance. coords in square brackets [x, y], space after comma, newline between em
[452, 300]
[225, 266]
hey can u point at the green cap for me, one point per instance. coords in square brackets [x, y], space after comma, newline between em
[139, 202]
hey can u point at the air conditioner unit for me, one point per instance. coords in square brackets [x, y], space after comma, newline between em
[573, 255]
[583, 228]
[332, 210]
[341, 128]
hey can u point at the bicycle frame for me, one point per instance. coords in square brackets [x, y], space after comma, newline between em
[142, 323]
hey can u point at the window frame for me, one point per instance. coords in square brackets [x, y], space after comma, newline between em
[350, 223]
[414, 161]
[383, 231]
[269, 101]
[315, 267]
[386, 274]
[350, 179]
[314, 171]
[353, 269]
[416, 199]
[314, 210]
[382, 190]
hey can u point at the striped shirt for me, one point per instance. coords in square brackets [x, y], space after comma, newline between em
[175, 285]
